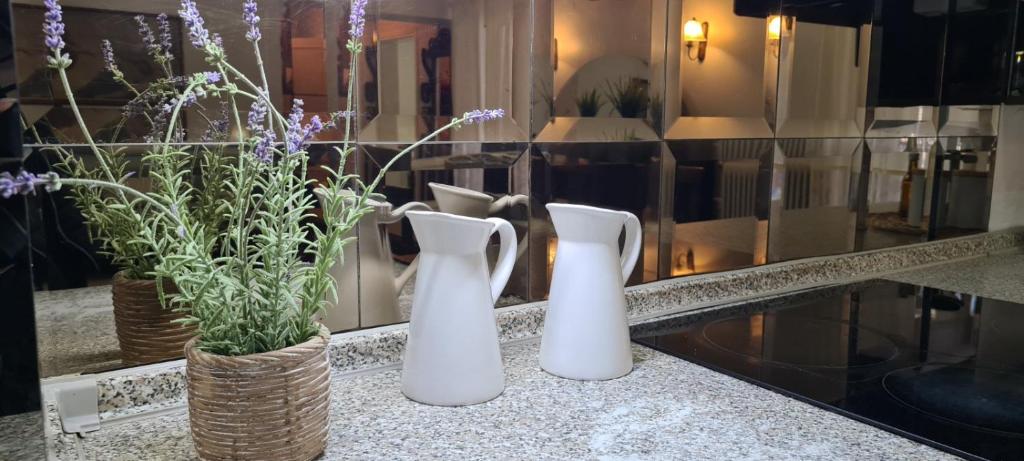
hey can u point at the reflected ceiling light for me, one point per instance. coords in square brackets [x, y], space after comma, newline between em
[777, 27]
[774, 27]
[696, 33]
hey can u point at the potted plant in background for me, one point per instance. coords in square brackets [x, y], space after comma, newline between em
[589, 103]
[629, 96]
[258, 372]
[147, 332]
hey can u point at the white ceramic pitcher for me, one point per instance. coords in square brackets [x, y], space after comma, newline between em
[375, 301]
[586, 336]
[467, 202]
[452, 356]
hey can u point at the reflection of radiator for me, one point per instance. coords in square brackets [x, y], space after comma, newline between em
[798, 187]
[739, 188]
[810, 184]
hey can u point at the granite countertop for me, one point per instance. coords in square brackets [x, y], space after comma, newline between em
[997, 276]
[77, 335]
[666, 409]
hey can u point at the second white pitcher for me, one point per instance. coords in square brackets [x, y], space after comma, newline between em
[586, 335]
[452, 356]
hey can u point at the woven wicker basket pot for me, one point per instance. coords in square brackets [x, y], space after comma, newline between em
[269, 406]
[146, 331]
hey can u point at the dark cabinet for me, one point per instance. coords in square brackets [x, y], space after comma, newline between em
[978, 56]
[907, 42]
[1016, 90]
[941, 52]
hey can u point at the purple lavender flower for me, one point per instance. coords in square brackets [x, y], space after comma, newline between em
[165, 35]
[148, 39]
[188, 100]
[108, 57]
[53, 26]
[294, 136]
[218, 129]
[262, 151]
[480, 116]
[298, 136]
[212, 77]
[7, 185]
[314, 127]
[25, 183]
[197, 32]
[217, 40]
[252, 19]
[357, 20]
[257, 115]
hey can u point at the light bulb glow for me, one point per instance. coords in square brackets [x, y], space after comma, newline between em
[774, 27]
[693, 31]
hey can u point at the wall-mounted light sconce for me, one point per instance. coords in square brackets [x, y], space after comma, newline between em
[554, 54]
[696, 33]
[774, 27]
[776, 31]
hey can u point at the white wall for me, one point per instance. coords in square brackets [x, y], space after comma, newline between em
[729, 83]
[590, 29]
[822, 84]
[1008, 184]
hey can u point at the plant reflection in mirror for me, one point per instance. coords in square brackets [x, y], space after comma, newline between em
[589, 103]
[236, 256]
[629, 96]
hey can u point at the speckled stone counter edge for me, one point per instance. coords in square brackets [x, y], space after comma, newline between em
[129, 392]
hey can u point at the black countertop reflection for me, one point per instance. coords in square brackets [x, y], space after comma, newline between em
[942, 368]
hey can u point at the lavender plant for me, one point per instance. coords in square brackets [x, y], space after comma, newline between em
[243, 285]
[113, 226]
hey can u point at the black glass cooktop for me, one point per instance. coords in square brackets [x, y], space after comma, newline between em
[939, 367]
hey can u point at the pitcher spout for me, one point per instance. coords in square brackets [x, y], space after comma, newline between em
[443, 233]
[582, 223]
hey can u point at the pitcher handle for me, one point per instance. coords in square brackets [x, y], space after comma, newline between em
[506, 256]
[508, 201]
[631, 250]
[396, 215]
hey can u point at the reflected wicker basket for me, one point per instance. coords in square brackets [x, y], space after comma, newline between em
[268, 406]
[146, 331]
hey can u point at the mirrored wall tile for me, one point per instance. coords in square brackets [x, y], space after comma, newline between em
[592, 86]
[965, 191]
[907, 204]
[467, 179]
[974, 120]
[719, 192]
[979, 43]
[730, 91]
[815, 203]
[900, 178]
[907, 45]
[1016, 86]
[902, 122]
[292, 50]
[823, 68]
[619, 176]
[428, 61]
